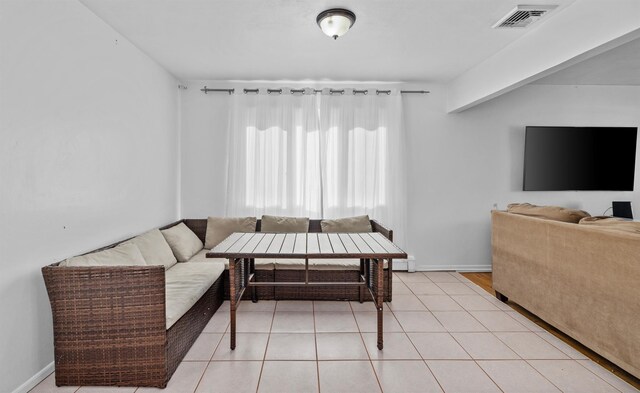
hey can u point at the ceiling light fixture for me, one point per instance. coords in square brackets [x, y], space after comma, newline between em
[336, 22]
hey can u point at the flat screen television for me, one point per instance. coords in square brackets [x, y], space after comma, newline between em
[579, 158]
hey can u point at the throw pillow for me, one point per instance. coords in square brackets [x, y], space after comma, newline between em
[349, 224]
[121, 255]
[154, 248]
[183, 242]
[276, 224]
[219, 228]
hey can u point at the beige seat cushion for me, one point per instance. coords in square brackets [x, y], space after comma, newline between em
[219, 228]
[613, 223]
[122, 255]
[349, 224]
[154, 248]
[555, 213]
[261, 264]
[185, 285]
[183, 242]
[276, 224]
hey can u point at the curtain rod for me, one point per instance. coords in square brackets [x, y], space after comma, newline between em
[315, 91]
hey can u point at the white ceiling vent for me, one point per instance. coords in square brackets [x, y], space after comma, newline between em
[523, 16]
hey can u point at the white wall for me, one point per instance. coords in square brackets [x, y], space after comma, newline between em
[88, 156]
[459, 164]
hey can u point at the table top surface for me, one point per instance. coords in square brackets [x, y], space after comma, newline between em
[307, 245]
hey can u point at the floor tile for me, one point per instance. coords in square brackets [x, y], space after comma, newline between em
[396, 346]
[292, 322]
[526, 322]
[474, 303]
[230, 377]
[406, 303]
[218, 323]
[516, 376]
[224, 306]
[294, 305]
[365, 306]
[493, 300]
[424, 288]
[456, 288]
[352, 377]
[570, 376]
[262, 305]
[400, 288]
[498, 321]
[106, 389]
[461, 376]
[405, 376]
[413, 277]
[340, 346]
[335, 321]
[291, 346]
[440, 303]
[418, 321]
[484, 346]
[458, 321]
[253, 322]
[48, 385]
[607, 376]
[530, 346]
[332, 306]
[184, 380]
[289, 376]
[249, 346]
[438, 346]
[561, 345]
[368, 322]
[441, 277]
[203, 348]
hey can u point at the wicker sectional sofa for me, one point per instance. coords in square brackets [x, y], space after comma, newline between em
[287, 270]
[131, 324]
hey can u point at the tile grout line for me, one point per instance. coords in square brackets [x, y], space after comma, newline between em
[264, 356]
[315, 340]
[365, 345]
[414, 345]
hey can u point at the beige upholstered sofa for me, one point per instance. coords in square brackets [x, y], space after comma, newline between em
[582, 279]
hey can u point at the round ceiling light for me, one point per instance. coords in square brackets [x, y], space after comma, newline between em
[336, 21]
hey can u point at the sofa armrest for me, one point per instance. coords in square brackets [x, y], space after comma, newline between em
[106, 319]
[386, 232]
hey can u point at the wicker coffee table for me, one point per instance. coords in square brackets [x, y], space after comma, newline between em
[241, 249]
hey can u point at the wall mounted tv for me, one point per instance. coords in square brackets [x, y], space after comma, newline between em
[579, 158]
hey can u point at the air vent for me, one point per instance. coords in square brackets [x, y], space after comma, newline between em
[523, 16]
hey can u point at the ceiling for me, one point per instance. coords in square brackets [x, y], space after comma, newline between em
[618, 66]
[401, 40]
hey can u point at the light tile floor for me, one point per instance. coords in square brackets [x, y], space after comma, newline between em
[443, 333]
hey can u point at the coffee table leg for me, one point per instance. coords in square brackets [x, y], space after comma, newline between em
[380, 298]
[232, 301]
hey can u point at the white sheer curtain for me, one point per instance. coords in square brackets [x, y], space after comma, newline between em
[319, 156]
[363, 158]
[274, 156]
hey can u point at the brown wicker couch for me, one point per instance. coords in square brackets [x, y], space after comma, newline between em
[199, 226]
[109, 324]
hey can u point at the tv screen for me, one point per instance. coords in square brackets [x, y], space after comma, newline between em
[579, 158]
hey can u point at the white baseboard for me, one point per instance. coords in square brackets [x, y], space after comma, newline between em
[456, 268]
[36, 379]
